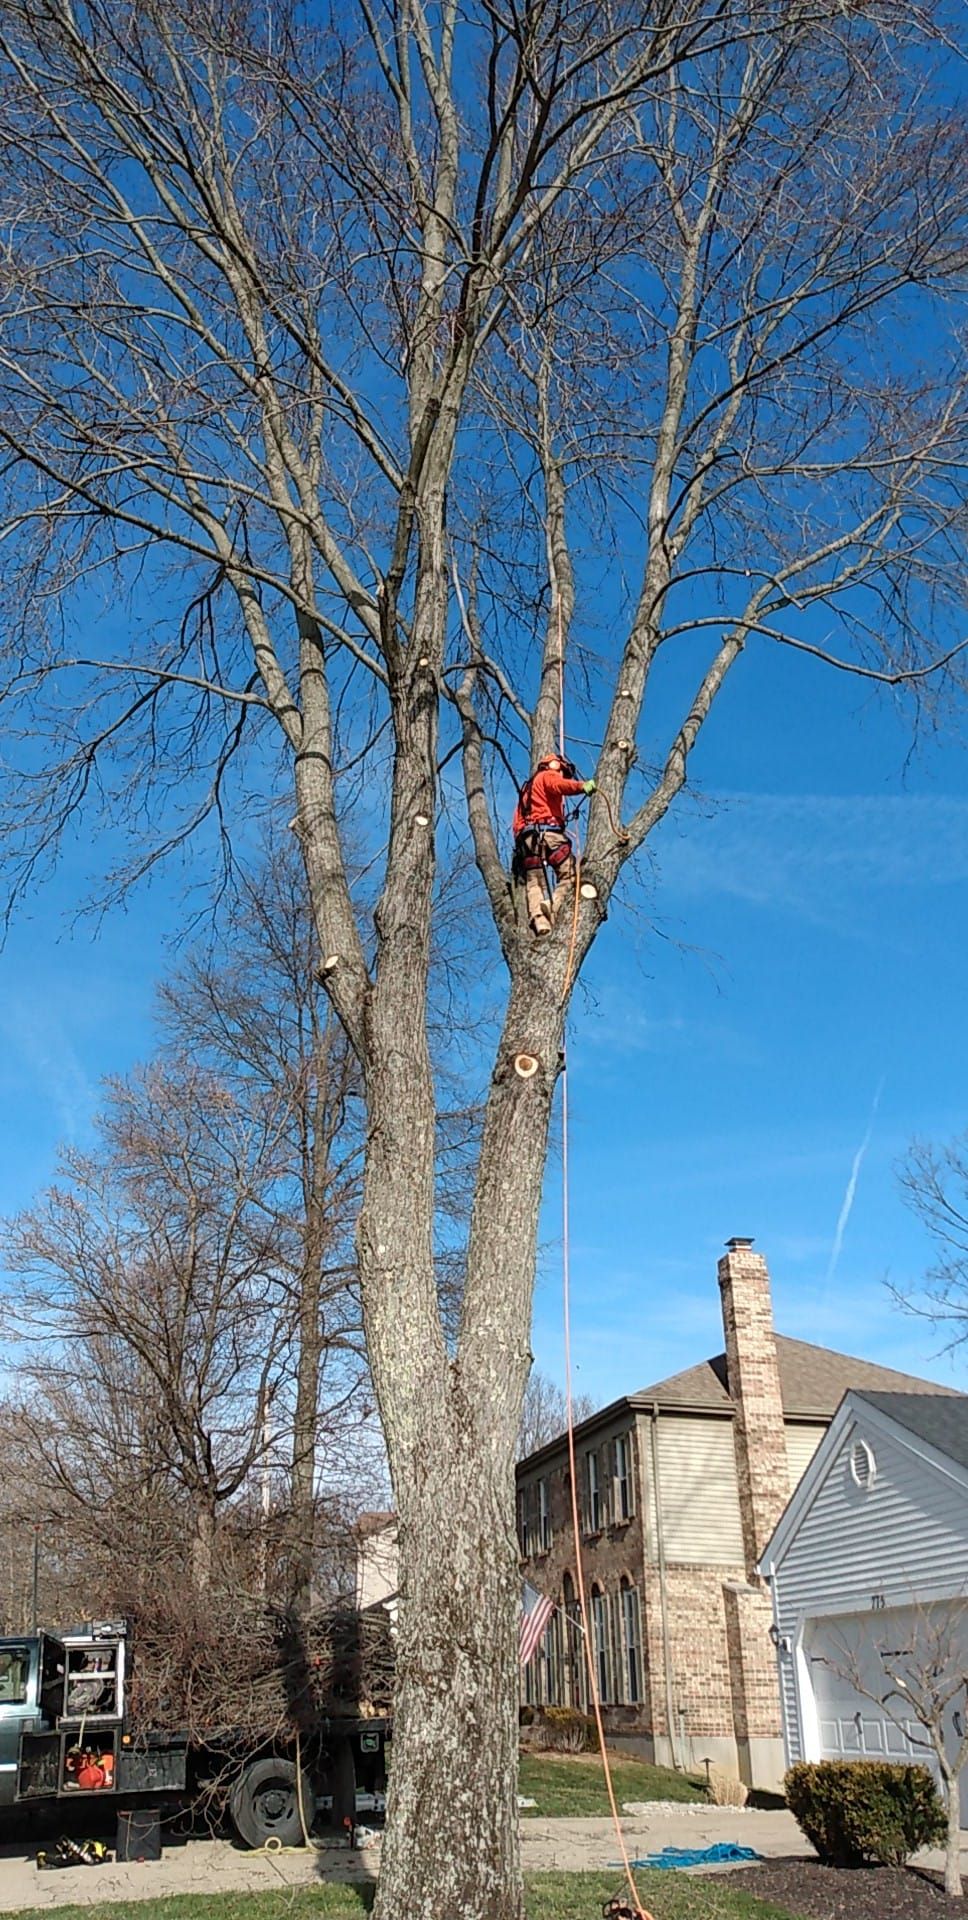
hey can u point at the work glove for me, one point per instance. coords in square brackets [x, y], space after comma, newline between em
[589, 787]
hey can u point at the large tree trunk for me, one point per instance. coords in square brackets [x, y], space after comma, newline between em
[451, 1427]
[452, 1839]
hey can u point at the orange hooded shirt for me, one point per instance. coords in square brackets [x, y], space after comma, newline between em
[546, 801]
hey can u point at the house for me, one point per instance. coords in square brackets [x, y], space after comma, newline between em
[680, 1488]
[377, 1563]
[868, 1569]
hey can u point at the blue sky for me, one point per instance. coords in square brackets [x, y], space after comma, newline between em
[796, 954]
[795, 981]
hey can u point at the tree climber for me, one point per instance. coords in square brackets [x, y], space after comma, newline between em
[541, 843]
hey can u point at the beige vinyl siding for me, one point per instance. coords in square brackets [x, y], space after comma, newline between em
[801, 1445]
[699, 1495]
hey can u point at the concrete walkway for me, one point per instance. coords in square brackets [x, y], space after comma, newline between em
[217, 1866]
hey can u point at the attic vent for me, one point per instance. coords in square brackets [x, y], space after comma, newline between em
[863, 1466]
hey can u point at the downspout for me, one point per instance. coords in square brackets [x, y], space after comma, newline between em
[783, 1650]
[663, 1590]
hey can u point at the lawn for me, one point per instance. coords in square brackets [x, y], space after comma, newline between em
[562, 1784]
[550, 1896]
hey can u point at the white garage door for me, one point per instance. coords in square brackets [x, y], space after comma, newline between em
[845, 1667]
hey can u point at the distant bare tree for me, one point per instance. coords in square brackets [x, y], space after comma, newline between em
[153, 1297]
[544, 1415]
[934, 1181]
[922, 1676]
[311, 318]
[263, 1027]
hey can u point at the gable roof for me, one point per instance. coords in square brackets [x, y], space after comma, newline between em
[939, 1417]
[941, 1420]
[813, 1380]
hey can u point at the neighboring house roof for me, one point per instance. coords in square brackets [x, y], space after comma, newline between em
[813, 1380]
[942, 1422]
[369, 1523]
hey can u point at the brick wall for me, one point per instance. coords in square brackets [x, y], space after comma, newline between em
[725, 1700]
[753, 1376]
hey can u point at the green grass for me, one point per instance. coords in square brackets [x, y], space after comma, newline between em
[550, 1896]
[668, 1896]
[563, 1785]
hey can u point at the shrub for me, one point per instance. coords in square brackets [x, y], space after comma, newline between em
[725, 1791]
[564, 1730]
[854, 1811]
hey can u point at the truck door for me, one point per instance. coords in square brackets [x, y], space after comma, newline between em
[19, 1668]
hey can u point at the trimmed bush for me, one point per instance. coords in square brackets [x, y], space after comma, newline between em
[856, 1811]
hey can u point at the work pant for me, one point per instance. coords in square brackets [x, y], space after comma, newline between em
[543, 910]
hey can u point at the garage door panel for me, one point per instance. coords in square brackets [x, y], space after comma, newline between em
[898, 1742]
[849, 1724]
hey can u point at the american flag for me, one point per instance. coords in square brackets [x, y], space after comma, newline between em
[536, 1611]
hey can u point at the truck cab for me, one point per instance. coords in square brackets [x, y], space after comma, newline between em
[62, 1713]
[32, 1669]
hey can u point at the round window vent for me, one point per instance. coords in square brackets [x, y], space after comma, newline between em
[863, 1466]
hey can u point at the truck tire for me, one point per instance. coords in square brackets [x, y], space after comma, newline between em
[265, 1804]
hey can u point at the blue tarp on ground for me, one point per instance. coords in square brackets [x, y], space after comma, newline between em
[721, 1854]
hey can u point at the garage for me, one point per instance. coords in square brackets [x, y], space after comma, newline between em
[866, 1573]
[849, 1725]
[843, 1665]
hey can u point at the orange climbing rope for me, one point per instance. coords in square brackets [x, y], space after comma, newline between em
[638, 1910]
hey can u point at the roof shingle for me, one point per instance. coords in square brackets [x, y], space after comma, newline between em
[940, 1420]
[813, 1380]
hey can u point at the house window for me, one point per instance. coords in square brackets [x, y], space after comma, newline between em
[529, 1531]
[523, 1544]
[573, 1676]
[631, 1631]
[553, 1652]
[624, 1502]
[594, 1503]
[544, 1517]
[600, 1642]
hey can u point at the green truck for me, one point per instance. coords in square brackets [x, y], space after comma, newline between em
[65, 1736]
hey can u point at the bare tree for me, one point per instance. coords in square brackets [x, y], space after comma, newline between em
[154, 1297]
[265, 1030]
[309, 320]
[544, 1413]
[920, 1680]
[934, 1181]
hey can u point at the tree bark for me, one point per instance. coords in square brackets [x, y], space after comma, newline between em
[452, 1838]
[451, 1425]
[952, 1858]
[203, 1548]
[305, 1417]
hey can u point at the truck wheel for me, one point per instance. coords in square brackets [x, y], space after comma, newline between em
[265, 1805]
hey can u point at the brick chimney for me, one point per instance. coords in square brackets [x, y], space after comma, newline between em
[753, 1379]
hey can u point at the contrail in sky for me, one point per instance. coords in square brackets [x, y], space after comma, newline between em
[848, 1200]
